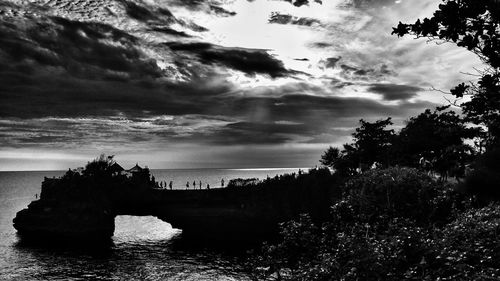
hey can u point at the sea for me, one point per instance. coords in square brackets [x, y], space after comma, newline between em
[142, 248]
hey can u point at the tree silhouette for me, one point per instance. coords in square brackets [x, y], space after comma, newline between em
[471, 24]
[431, 135]
[100, 167]
[372, 143]
[474, 25]
[331, 157]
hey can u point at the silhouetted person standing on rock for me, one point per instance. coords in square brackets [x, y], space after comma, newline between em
[170, 185]
[194, 184]
[200, 185]
[187, 185]
[208, 186]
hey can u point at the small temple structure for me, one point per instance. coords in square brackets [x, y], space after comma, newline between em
[116, 168]
[135, 169]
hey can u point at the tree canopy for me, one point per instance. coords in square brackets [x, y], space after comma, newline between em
[372, 142]
[438, 137]
[474, 25]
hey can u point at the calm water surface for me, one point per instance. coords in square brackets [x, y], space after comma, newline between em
[143, 248]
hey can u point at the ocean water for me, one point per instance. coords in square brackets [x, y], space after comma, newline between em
[143, 248]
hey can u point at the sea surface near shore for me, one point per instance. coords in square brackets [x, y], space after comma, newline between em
[143, 248]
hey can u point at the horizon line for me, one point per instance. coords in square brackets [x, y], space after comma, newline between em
[219, 168]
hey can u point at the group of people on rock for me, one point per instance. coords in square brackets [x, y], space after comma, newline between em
[200, 186]
[163, 184]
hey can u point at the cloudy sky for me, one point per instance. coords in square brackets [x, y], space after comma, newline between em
[193, 83]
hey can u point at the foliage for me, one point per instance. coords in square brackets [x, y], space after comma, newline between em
[429, 233]
[372, 143]
[96, 178]
[437, 137]
[312, 193]
[433, 134]
[398, 223]
[474, 25]
[331, 157]
[101, 166]
[380, 194]
[468, 247]
[484, 107]
[239, 182]
[471, 24]
[484, 180]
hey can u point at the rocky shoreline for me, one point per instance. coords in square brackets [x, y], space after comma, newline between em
[83, 205]
[52, 220]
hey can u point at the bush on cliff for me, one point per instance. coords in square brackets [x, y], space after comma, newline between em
[391, 192]
[382, 194]
[97, 179]
[484, 180]
[391, 224]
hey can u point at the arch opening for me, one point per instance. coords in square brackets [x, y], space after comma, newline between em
[142, 228]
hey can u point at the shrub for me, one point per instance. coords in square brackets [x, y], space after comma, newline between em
[392, 192]
[484, 180]
[469, 247]
[392, 224]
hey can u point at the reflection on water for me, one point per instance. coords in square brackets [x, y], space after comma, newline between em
[143, 248]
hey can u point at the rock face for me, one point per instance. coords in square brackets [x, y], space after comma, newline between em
[51, 220]
[74, 208]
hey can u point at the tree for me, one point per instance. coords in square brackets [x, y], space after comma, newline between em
[437, 136]
[100, 166]
[474, 25]
[331, 157]
[471, 24]
[372, 142]
[484, 107]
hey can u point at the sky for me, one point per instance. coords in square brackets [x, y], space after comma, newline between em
[209, 84]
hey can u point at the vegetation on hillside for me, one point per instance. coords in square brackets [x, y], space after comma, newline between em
[421, 203]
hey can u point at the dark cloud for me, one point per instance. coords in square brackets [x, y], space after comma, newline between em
[392, 92]
[384, 69]
[221, 11]
[282, 115]
[66, 96]
[138, 12]
[249, 61]
[210, 7]
[245, 133]
[293, 119]
[191, 4]
[355, 72]
[332, 62]
[321, 45]
[58, 75]
[78, 48]
[289, 19]
[302, 108]
[299, 3]
[161, 19]
[339, 84]
[349, 68]
[372, 3]
[170, 31]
